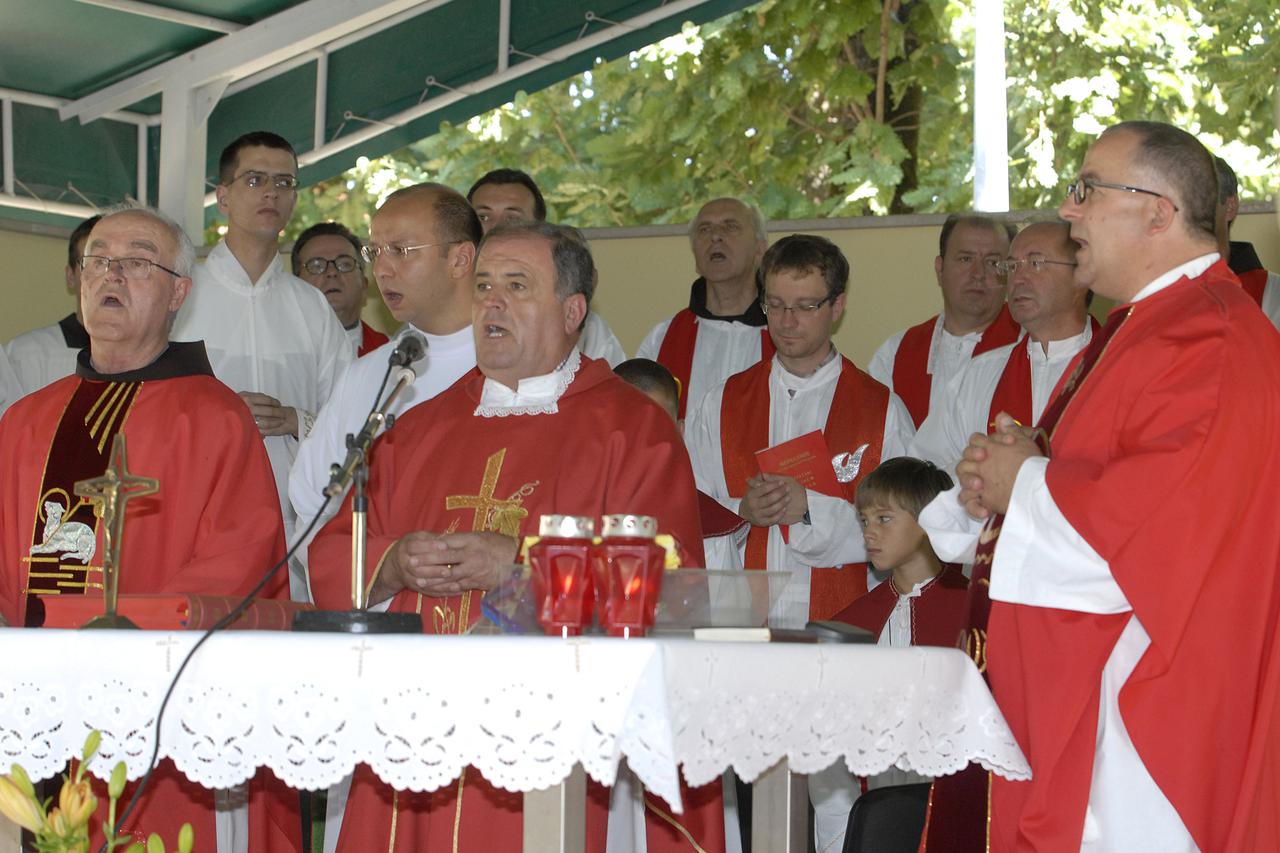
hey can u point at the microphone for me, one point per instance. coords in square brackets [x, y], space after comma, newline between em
[411, 347]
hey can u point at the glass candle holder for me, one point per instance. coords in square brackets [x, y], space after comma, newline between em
[560, 571]
[629, 566]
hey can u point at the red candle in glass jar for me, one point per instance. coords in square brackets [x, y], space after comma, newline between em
[628, 568]
[560, 563]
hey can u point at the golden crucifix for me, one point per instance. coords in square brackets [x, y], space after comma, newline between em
[109, 494]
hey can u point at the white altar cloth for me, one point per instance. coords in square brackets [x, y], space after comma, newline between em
[522, 710]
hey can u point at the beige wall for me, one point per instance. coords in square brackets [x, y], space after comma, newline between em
[644, 279]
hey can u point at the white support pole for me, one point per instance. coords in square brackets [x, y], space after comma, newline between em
[504, 34]
[183, 141]
[143, 177]
[6, 147]
[322, 97]
[990, 110]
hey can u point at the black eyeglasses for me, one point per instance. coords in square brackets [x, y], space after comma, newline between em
[317, 265]
[133, 268]
[1079, 190]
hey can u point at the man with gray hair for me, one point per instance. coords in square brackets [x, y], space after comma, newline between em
[723, 331]
[213, 528]
[1261, 285]
[463, 478]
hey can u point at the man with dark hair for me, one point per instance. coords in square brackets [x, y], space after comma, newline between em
[270, 336]
[917, 363]
[723, 329]
[537, 429]
[1045, 300]
[327, 257]
[46, 355]
[507, 196]
[1262, 286]
[213, 528]
[1135, 528]
[806, 386]
[654, 381]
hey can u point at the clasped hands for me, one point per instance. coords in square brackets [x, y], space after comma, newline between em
[990, 465]
[773, 499]
[269, 415]
[441, 565]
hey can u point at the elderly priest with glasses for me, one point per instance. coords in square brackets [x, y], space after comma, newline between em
[538, 428]
[213, 527]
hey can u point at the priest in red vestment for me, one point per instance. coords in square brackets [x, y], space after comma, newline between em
[214, 527]
[537, 429]
[1133, 643]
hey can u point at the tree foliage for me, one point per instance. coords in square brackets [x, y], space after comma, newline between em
[852, 107]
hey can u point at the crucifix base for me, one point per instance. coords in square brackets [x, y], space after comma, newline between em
[113, 621]
[357, 622]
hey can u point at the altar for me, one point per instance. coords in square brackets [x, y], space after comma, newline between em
[524, 711]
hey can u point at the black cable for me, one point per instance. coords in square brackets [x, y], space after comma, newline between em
[236, 613]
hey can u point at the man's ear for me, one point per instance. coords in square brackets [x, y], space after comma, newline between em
[220, 193]
[181, 288]
[462, 259]
[937, 269]
[575, 311]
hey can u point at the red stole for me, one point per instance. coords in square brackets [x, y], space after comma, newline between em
[937, 613]
[959, 811]
[678, 344]
[80, 449]
[856, 417]
[370, 339]
[911, 378]
[1013, 391]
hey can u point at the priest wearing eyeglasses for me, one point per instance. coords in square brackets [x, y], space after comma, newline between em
[327, 257]
[1019, 378]
[213, 528]
[270, 336]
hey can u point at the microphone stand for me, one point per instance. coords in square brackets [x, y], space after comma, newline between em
[355, 470]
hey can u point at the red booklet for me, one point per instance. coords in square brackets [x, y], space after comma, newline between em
[807, 459]
[173, 612]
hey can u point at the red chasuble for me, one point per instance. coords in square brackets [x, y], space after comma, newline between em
[856, 418]
[1164, 460]
[937, 613]
[370, 339]
[443, 468]
[1013, 391]
[213, 528]
[911, 378]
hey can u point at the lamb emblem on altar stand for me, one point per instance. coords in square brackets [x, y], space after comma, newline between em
[74, 538]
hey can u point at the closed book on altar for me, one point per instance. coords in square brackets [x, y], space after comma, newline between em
[172, 612]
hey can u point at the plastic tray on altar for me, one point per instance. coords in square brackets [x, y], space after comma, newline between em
[690, 598]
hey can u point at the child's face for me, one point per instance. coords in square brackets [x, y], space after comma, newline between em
[891, 534]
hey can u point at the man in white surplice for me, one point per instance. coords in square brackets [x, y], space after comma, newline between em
[270, 336]
[429, 289]
[803, 305]
[1051, 308]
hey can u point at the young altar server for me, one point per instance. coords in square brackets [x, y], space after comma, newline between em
[924, 602]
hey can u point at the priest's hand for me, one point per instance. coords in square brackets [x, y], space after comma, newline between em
[271, 417]
[441, 566]
[990, 466]
[797, 498]
[765, 501]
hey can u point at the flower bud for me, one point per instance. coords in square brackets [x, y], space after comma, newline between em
[20, 778]
[155, 844]
[20, 808]
[115, 787]
[91, 744]
[186, 838]
[77, 802]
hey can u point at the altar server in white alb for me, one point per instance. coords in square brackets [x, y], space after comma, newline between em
[270, 336]
[723, 330]
[806, 386]
[506, 196]
[42, 356]
[1052, 309]
[422, 250]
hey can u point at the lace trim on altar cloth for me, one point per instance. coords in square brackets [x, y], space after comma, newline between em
[537, 395]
